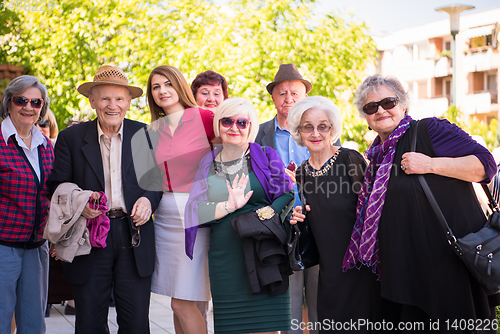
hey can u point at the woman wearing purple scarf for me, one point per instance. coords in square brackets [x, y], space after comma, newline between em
[234, 179]
[397, 234]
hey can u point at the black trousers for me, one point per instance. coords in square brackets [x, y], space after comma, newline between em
[113, 267]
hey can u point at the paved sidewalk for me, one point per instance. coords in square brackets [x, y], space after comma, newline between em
[160, 317]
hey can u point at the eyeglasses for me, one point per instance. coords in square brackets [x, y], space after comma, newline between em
[21, 101]
[44, 124]
[387, 103]
[241, 123]
[323, 128]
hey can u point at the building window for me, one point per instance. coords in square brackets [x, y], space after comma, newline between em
[447, 45]
[481, 41]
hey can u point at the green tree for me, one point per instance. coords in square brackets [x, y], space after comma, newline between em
[244, 40]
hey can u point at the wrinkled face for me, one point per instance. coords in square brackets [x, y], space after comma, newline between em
[315, 130]
[164, 94]
[24, 117]
[234, 135]
[286, 94]
[111, 103]
[384, 121]
[209, 96]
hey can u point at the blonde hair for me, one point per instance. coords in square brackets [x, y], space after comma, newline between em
[318, 103]
[54, 129]
[235, 106]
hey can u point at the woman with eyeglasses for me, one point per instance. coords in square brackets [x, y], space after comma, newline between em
[239, 177]
[330, 181]
[397, 233]
[25, 164]
[179, 136]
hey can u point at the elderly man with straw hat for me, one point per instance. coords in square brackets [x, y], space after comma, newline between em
[97, 156]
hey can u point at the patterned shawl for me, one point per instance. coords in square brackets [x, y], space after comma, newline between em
[364, 247]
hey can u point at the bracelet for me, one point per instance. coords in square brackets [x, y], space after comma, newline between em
[226, 208]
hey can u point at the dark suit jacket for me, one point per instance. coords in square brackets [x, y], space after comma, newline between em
[78, 160]
[266, 137]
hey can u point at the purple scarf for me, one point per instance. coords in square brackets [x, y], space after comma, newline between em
[364, 246]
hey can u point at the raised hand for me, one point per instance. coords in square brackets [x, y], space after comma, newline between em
[237, 198]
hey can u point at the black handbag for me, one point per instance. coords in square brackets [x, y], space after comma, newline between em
[480, 251]
[301, 247]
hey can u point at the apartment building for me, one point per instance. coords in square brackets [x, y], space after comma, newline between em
[421, 57]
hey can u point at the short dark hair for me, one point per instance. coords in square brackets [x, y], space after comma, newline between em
[209, 78]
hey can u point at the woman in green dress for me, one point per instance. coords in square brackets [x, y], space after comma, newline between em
[234, 179]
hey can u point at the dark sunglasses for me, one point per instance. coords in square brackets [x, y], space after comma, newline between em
[387, 103]
[21, 101]
[44, 124]
[241, 123]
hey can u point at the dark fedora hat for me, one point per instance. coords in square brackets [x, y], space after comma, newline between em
[288, 72]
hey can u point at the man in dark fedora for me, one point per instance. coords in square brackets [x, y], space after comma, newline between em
[288, 88]
[97, 156]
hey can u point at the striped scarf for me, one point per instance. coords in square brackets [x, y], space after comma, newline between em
[364, 247]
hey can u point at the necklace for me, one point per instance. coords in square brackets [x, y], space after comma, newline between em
[24, 138]
[234, 168]
[323, 170]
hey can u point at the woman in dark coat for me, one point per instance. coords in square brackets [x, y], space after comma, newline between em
[397, 234]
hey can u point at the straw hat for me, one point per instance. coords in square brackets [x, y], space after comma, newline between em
[109, 75]
[288, 72]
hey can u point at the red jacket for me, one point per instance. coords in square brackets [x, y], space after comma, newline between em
[24, 203]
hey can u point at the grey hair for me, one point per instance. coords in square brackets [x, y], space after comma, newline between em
[318, 103]
[372, 83]
[17, 87]
[234, 106]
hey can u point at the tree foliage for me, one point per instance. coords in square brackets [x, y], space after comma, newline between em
[244, 40]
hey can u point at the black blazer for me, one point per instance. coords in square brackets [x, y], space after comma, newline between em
[78, 160]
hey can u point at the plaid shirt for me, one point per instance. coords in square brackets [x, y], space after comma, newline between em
[20, 195]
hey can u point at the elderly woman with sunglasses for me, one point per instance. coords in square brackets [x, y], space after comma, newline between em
[397, 234]
[330, 181]
[239, 177]
[26, 158]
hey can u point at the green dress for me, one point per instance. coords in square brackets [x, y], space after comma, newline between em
[236, 310]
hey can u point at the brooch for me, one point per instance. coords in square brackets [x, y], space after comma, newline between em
[265, 213]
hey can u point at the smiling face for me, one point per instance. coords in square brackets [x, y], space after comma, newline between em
[285, 94]
[384, 121]
[234, 135]
[209, 96]
[165, 95]
[25, 117]
[111, 103]
[315, 141]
